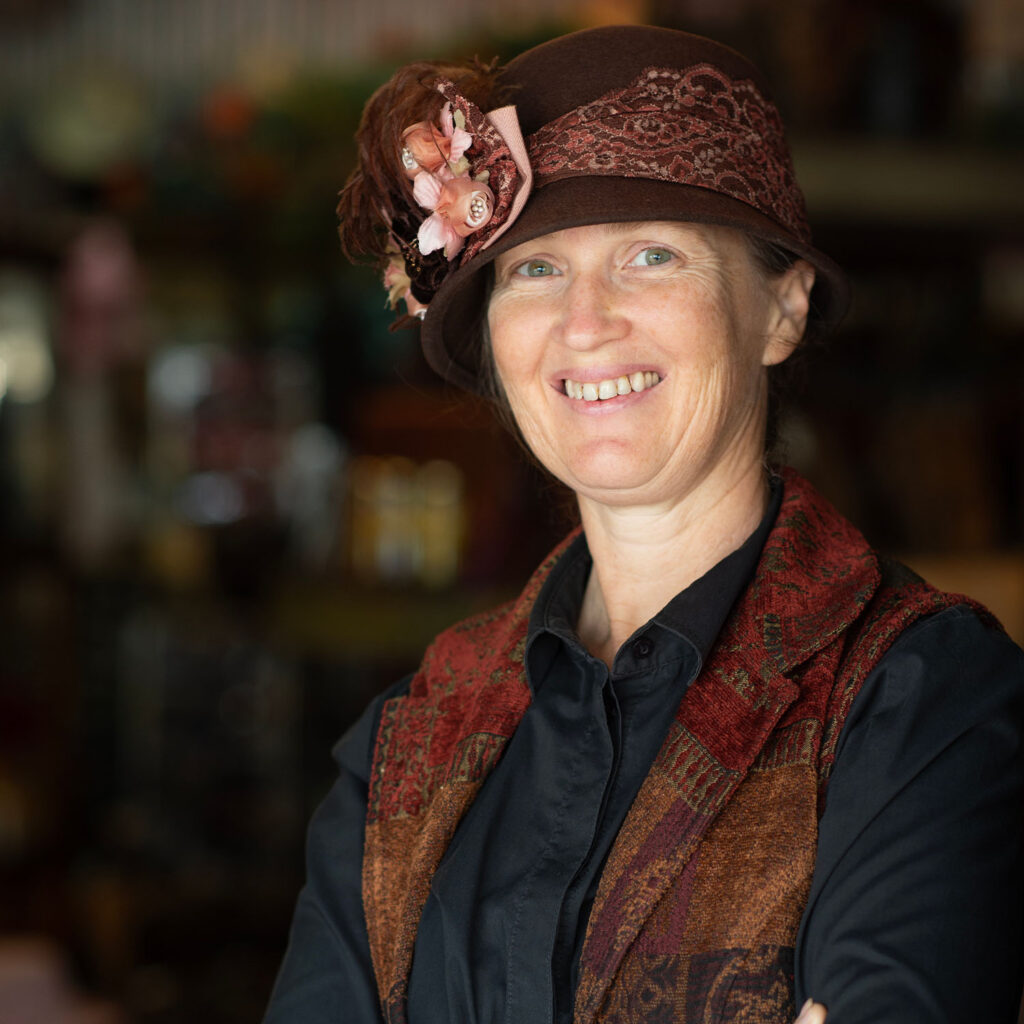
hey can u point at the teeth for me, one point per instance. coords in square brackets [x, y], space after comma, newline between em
[602, 390]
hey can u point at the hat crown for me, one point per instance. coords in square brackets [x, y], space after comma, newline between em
[660, 105]
[565, 73]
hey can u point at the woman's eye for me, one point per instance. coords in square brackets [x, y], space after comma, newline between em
[535, 268]
[653, 256]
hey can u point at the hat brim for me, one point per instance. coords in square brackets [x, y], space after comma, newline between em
[452, 335]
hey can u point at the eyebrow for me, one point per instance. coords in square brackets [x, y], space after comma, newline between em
[625, 227]
[633, 225]
[619, 228]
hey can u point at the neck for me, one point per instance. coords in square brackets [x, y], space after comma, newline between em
[643, 557]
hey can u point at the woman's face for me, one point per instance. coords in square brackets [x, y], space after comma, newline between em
[672, 319]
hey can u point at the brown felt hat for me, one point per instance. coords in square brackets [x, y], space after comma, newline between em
[634, 123]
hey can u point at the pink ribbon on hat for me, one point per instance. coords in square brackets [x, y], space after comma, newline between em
[506, 121]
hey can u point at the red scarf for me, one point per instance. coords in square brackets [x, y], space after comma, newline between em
[698, 907]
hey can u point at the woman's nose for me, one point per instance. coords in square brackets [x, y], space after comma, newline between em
[592, 313]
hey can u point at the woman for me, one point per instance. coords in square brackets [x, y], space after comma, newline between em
[719, 759]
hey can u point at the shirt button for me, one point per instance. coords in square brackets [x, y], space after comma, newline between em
[642, 647]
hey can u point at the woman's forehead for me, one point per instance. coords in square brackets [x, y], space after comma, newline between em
[711, 235]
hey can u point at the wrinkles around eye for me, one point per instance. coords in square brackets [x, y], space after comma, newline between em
[535, 268]
[652, 256]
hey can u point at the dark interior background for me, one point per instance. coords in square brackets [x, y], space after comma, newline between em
[234, 506]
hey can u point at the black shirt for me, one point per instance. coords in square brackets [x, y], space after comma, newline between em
[932, 746]
[512, 895]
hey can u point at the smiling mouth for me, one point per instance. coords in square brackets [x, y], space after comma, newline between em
[602, 390]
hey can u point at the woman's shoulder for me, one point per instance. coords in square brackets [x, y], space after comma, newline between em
[474, 640]
[910, 643]
[464, 653]
[470, 672]
[920, 840]
[948, 672]
[921, 624]
[490, 645]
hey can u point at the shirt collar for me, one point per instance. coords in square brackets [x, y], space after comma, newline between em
[695, 615]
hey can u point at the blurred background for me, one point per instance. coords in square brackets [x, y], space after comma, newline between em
[234, 506]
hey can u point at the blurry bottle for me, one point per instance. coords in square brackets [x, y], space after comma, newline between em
[441, 527]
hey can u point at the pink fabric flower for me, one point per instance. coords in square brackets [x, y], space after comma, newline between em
[467, 204]
[470, 174]
[437, 233]
[426, 187]
[460, 207]
[461, 140]
[426, 147]
[396, 280]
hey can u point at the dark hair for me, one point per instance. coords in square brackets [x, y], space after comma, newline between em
[490, 382]
[770, 257]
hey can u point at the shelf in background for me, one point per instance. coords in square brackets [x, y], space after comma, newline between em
[356, 624]
[995, 578]
[910, 182]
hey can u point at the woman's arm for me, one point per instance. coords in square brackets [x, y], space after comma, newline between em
[327, 975]
[916, 911]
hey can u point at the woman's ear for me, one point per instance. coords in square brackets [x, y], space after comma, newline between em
[791, 292]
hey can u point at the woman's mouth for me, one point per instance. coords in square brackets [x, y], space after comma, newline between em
[601, 390]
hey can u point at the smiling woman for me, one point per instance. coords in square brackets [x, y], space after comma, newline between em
[575, 314]
[720, 759]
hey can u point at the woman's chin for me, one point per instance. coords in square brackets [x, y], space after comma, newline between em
[612, 476]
